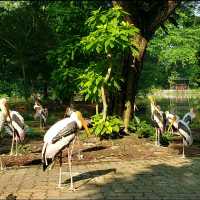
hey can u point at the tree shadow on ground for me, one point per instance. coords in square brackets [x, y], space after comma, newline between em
[96, 148]
[176, 180]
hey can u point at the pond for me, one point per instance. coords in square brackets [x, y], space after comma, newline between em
[178, 102]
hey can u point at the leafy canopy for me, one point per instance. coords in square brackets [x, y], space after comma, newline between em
[109, 32]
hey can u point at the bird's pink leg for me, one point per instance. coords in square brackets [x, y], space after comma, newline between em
[1, 164]
[13, 139]
[70, 165]
[60, 170]
[79, 151]
[156, 142]
[40, 122]
[183, 154]
[159, 133]
[16, 151]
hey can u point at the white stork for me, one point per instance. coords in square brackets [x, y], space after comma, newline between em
[41, 113]
[171, 118]
[3, 114]
[13, 123]
[182, 129]
[60, 136]
[158, 118]
[188, 117]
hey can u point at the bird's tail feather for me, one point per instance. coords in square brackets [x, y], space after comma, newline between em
[44, 159]
[47, 164]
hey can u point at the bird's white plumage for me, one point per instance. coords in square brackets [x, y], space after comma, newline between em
[53, 149]
[2, 120]
[55, 129]
[188, 117]
[171, 116]
[185, 133]
[13, 112]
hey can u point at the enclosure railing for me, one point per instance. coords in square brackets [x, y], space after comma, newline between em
[170, 94]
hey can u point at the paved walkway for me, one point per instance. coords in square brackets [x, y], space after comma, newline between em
[165, 178]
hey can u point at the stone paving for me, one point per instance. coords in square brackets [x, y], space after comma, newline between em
[163, 178]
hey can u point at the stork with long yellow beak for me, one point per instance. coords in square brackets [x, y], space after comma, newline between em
[4, 114]
[62, 135]
[158, 119]
[13, 123]
[181, 128]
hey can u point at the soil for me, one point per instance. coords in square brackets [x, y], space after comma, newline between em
[129, 147]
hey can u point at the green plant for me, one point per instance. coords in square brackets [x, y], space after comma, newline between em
[144, 130]
[166, 138]
[109, 127]
[141, 128]
[24, 149]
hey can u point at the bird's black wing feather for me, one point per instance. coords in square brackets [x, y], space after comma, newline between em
[188, 119]
[68, 130]
[184, 128]
[18, 121]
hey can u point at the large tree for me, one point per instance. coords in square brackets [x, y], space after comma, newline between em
[148, 16]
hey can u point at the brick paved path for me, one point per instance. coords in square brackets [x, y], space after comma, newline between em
[165, 178]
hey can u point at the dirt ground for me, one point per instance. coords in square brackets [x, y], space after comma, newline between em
[93, 150]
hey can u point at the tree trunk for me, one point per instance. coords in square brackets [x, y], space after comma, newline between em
[105, 105]
[147, 15]
[103, 93]
[97, 109]
[24, 80]
[134, 70]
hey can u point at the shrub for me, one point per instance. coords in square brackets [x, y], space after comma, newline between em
[110, 128]
[141, 128]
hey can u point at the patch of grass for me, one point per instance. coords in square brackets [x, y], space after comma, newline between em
[24, 148]
[34, 133]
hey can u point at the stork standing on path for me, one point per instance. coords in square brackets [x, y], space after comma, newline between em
[41, 113]
[182, 129]
[60, 136]
[13, 123]
[3, 114]
[159, 120]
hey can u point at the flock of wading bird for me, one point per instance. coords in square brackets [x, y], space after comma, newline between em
[64, 133]
[166, 121]
[59, 136]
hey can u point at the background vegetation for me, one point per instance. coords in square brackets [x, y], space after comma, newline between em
[60, 49]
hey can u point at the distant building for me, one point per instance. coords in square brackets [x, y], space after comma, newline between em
[181, 84]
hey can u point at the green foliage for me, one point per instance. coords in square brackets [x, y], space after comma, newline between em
[110, 127]
[166, 138]
[109, 32]
[90, 85]
[141, 128]
[24, 43]
[24, 148]
[67, 22]
[65, 84]
[173, 77]
[174, 50]
[91, 81]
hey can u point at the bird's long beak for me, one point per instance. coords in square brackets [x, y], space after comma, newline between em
[83, 122]
[85, 126]
[173, 120]
[7, 110]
